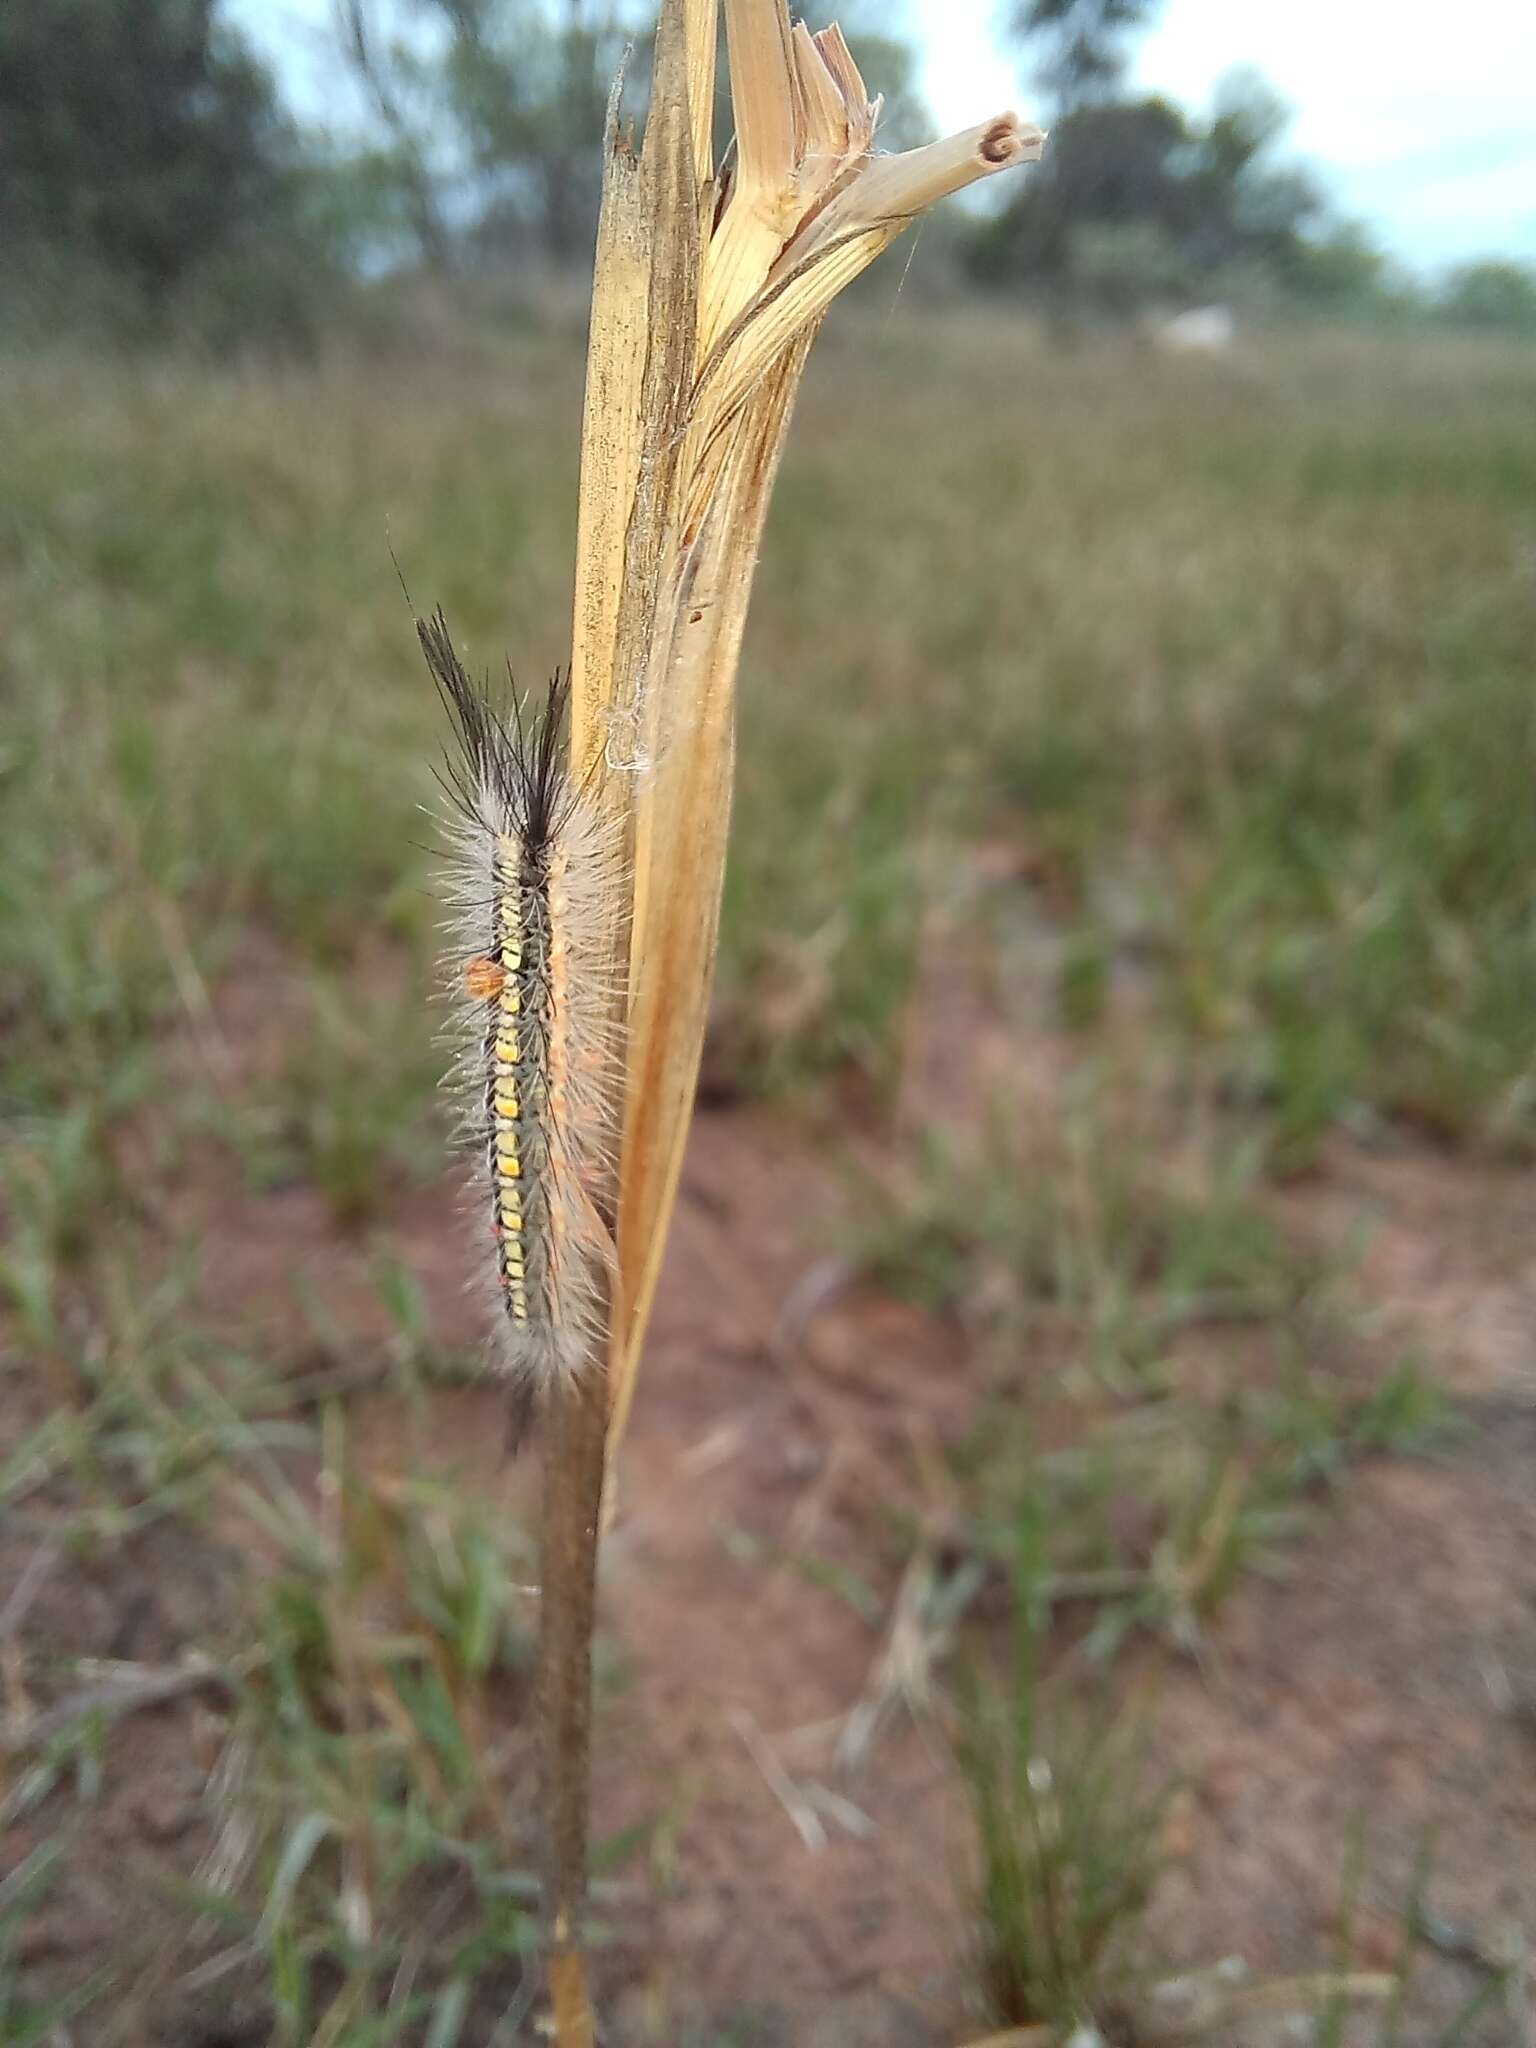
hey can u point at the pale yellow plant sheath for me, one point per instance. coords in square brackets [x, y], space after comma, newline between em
[702, 317]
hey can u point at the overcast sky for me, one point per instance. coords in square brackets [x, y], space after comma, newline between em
[1422, 119]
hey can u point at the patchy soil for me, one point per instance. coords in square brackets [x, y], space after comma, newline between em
[768, 1442]
[1389, 1683]
[1389, 1679]
[776, 1483]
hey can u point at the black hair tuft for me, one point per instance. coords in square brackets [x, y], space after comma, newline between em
[514, 752]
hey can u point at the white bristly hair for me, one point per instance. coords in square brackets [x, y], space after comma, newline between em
[531, 873]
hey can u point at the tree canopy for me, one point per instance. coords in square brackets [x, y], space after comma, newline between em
[148, 166]
[140, 134]
[1184, 201]
[1498, 297]
[1081, 44]
[487, 113]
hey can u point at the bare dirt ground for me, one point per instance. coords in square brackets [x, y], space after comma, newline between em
[1389, 1678]
[773, 1487]
[1392, 1674]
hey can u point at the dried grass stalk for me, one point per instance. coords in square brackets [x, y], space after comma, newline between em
[706, 299]
[707, 295]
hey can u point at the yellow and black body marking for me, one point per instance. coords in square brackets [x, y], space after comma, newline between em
[510, 1087]
[530, 872]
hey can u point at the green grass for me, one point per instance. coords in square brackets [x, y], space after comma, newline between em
[365, 1876]
[1160, 1508]
[1067, 1833]
[1094, 1220]
[1236, 655]
[1175, 716]
[368, 1797]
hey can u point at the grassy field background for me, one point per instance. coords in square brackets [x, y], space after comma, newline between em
[1135, 807]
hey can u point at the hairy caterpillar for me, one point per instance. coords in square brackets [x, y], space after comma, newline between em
[531, 873]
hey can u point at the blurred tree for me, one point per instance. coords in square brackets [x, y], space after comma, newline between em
[487, 114]
[1120, 267]
[1500, 297]
[136, 135]
[1343, 272]
[1185, 203]
[1138, 202]
[404, 180]
[1081, 44]
[531, 86]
